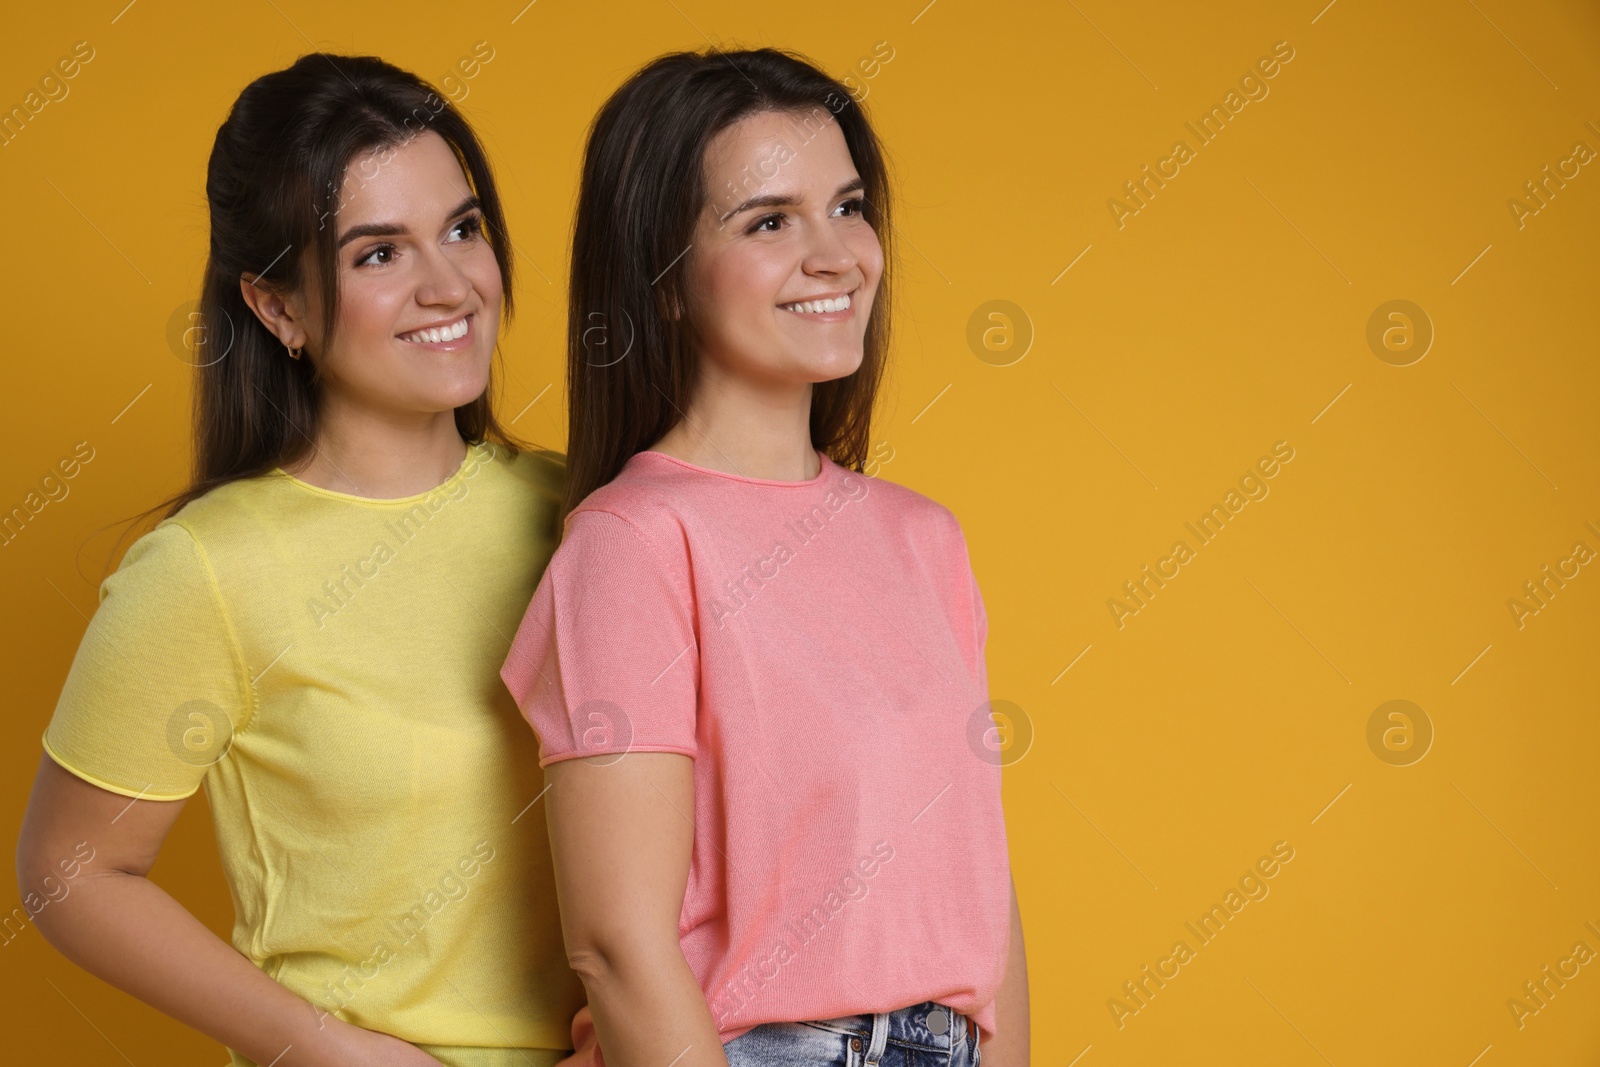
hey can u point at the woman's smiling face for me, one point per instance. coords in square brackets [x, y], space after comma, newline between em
[412, 257]
[783, 266]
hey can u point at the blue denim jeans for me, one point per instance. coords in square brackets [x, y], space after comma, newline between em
[923, 1035]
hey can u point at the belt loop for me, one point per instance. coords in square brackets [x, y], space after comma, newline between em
[880, 1039]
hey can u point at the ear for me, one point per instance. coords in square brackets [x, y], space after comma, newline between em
[282, 315]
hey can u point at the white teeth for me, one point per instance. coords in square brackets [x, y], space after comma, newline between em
[818, 306]
[441, 333]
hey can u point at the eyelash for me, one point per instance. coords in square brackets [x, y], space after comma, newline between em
[474, 226]
[855, 203]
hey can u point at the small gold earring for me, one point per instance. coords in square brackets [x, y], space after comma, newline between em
[294, 353]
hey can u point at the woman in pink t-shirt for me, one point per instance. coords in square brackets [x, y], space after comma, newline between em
[756, 674]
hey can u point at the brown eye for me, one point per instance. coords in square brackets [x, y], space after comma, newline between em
[380, 250]
[472, 226]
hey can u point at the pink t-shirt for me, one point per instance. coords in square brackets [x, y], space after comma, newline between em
[818, 648]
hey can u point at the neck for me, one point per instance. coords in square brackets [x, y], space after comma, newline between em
[367, 454]
[741, 428]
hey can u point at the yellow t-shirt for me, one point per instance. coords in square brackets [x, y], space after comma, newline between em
[327, 666]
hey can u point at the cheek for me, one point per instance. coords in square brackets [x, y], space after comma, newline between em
[369, 309]
[364, 355]
[742, 284]
[484, 270]
[868, 251]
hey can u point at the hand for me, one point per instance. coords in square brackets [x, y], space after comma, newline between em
[585, 1043]
[370, 1048]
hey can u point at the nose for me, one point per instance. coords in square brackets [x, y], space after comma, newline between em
[442, 282]
[826, 251]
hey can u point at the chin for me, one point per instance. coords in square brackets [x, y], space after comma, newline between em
[446, 396]
[461, 397]
[826, 366]
[463, 380]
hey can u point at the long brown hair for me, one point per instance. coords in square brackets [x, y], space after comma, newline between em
[630, 364]
[274, 185]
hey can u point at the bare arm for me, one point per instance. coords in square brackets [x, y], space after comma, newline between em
[1010, 1048]
[112, 921]
[621, 834]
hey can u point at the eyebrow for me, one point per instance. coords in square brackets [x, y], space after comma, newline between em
[394, 229]
[777, 200]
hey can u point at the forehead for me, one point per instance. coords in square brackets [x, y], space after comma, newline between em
[779, 150]
[420, 179]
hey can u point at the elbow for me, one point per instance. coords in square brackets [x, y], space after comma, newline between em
[44, 883]
[37, 890]
[26, 859]
[14, 920]
[32, 871]
[591, 965]
[607, 959]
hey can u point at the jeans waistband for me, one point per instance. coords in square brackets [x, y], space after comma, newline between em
[929, 1024]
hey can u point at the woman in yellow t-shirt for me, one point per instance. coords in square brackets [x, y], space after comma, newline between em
[315, 628]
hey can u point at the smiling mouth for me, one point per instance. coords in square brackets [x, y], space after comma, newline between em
[818, 307]
[452, 331]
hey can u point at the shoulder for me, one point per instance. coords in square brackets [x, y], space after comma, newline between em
[164, 581]
[635, 525]
[623, 539]
[168, 550]
[542, 471]
[653, 503]
[234, 511]
[932, 536]
[174, 556]
[915, 515]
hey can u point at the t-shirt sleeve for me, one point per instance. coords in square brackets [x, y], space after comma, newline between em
[157, 686]
[606, 658]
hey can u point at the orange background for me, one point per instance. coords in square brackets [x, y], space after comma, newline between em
[1229, 313]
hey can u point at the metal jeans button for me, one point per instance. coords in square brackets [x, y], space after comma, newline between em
[855, 1044]
[937, 1021]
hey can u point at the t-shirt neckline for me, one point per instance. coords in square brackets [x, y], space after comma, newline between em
[473, 450]
[822, 470]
